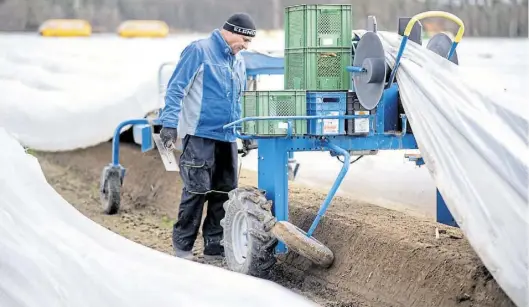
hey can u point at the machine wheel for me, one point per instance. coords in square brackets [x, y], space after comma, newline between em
[110, 189]
[440, 44]
[248, 243]
[298, 241]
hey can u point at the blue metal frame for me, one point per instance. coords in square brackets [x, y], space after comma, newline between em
[334, 187]
[146, 133]
[443, 214]
[273, 152]
[276, 152]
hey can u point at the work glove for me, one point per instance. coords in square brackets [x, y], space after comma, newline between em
[168, 137]
[247, 145]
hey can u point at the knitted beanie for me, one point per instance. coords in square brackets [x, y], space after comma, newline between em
[240, 23]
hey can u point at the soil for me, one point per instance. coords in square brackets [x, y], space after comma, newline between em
[382, 257]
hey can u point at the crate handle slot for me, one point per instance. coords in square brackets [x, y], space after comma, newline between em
[283, 98]
[331, 99]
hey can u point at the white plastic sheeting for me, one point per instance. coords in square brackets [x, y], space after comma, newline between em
[475, 144]
[52, 255]
[64, 94]
[53, 94]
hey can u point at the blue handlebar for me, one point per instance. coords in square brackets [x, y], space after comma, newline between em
[299, 117]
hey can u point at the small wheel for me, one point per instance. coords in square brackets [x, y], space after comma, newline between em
[110, 189]
[248, 244]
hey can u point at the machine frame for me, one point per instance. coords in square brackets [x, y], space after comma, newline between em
[272, 159]
[256, 226]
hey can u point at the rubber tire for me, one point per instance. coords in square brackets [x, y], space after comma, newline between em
[110, 190]
[260, 256]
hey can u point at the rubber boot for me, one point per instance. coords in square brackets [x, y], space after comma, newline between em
[188, 255]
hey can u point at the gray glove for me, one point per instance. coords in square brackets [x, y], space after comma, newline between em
[168, 137]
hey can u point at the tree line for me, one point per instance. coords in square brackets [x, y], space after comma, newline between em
[483, 18]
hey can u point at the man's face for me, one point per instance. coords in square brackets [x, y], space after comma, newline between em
[239, 42]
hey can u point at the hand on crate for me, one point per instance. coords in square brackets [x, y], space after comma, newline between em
[168, 137]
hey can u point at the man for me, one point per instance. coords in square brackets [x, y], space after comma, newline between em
[203, 95]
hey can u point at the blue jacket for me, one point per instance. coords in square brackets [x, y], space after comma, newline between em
[204, 92]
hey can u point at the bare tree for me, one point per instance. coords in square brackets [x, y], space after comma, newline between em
[496, 18]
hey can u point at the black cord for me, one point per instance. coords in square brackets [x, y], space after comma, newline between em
[338, 157]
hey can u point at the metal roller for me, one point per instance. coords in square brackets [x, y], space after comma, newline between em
[370, 65]
[440, 44]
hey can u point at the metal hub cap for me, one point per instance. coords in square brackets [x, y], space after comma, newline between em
[239, 237]
[370, 55]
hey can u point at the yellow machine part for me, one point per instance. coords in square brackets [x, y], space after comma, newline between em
[143, 28]
[65, 28]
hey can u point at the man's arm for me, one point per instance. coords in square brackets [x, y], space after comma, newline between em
[185, 70]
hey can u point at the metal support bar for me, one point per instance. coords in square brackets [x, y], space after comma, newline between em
[334, 187]
[397, 61]
[354, 69]
[452, 50]
[293, 118]
[404, 121]
[273, 178]
[377, 142]
[443, 215]
[117, 133]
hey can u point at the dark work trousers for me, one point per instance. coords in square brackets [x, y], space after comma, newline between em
[206, 166]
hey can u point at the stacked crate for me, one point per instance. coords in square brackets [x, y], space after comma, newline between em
[328, 103]
[317, 47]
[317, 51]
[274, 103]
[357, 126]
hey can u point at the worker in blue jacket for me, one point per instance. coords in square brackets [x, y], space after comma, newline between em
[203, 95]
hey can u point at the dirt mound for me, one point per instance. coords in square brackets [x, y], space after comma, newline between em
[383, 257]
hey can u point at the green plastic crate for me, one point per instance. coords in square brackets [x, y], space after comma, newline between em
[274, 103]
[315, 26]
[317, 69]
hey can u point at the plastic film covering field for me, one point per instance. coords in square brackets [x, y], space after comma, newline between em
[52, 255]
[476, 149]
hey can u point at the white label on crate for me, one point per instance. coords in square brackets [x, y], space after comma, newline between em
[361, 124]
[327, 41]
[330, 126]
[282, 125]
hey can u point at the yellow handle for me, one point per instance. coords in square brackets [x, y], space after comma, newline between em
[446, 15]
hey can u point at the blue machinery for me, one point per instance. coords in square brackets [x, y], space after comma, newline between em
[269, 232]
